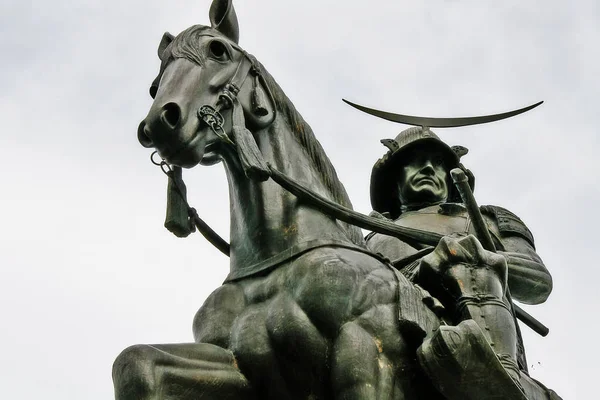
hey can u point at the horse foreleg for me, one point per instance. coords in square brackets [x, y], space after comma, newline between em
[360, 370]
[180, 372]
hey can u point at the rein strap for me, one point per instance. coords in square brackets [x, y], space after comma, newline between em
[414, 237]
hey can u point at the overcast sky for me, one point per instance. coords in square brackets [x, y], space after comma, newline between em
[88, 269]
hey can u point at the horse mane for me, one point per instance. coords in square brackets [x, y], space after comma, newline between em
[187, 45]
[305, 136]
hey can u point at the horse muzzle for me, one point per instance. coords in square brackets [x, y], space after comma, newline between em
[160, 124]
[178, 140]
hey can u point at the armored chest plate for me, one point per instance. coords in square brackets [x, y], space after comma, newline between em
[444, 219]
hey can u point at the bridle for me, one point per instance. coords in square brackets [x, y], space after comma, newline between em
[182, 219]
[227, 98]
[211, 115]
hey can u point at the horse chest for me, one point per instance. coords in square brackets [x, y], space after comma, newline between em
[291, 320]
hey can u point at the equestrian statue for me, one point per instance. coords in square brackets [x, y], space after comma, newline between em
[310, 309]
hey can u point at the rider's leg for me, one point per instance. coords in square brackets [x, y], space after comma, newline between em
[482, 348]
[482, 301]
[474, 282]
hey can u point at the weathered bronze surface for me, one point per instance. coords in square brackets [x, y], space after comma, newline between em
[441, 122]
[310, 310]
[411, 184]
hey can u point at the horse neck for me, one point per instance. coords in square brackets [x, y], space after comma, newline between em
[266, 220]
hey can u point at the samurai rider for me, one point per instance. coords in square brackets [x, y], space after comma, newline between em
[411, 186]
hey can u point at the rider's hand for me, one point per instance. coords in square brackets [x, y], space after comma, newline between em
[460, 266]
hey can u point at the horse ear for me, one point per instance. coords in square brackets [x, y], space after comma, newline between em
[223, 18]
[164, 42]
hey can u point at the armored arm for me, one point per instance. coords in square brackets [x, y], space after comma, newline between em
[528, 278]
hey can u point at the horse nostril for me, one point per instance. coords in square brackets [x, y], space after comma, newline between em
[171, 115]
[143, 137]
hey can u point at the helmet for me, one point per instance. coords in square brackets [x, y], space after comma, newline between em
[384, 191]
[384, 176]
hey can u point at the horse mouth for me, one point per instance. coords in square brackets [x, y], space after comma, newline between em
[212, 148]
[198, 149]
[185, 154]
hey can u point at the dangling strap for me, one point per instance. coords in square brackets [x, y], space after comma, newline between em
[259, 102]
[248, 152]
[177, 220]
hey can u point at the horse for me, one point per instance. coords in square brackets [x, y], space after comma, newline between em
[306, 311]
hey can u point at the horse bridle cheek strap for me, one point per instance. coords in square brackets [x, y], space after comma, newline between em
[181, 219]
[243, 141]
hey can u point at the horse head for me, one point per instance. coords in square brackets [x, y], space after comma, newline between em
[215, 102]
[207, 92]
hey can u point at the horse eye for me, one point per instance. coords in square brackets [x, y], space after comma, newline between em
[218, 50]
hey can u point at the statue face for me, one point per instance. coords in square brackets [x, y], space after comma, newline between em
[423, 178]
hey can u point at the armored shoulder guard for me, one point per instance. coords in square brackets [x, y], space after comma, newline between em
[508, 223]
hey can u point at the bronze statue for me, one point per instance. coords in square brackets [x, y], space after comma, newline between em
[307, 310]
[411, 185]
